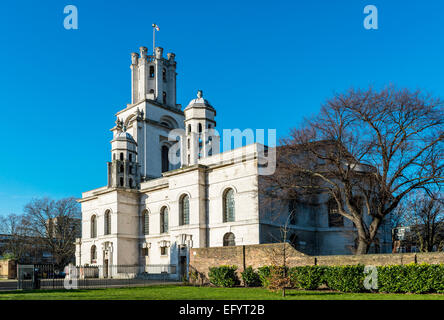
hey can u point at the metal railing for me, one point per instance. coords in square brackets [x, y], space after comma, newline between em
[93, 276]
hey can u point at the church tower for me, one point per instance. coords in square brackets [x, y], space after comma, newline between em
[153, 111]
[153, 77]
[200, 125]
[123, 170]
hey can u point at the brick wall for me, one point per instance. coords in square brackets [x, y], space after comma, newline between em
[201, 259]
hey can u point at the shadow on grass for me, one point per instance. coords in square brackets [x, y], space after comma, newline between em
[302, 293]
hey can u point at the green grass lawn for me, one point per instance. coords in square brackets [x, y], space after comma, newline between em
[175, 292]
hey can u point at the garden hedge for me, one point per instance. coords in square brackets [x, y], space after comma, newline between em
[411, 278]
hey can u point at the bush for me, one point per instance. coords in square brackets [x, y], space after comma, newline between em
[412, 278]
[307, 277]
[250, 277]
[345, 278]
[223, 276]
[264, 275]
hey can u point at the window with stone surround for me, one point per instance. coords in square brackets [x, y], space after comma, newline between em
[184, 210]
[107, 222]
[93, 230]
[335, 219]
[164, 220]
[229, 239]
[146, 222]
[228, 206]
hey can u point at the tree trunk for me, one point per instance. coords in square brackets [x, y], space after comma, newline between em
[362, 246]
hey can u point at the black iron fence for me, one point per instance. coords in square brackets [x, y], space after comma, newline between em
[93, 276]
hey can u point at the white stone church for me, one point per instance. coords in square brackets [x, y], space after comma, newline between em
[151, 212]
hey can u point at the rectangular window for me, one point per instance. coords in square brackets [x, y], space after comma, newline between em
[163, 251]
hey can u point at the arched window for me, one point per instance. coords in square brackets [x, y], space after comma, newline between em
[229, 239]
[151, 71]
[121, 156]
[199, 127]
[121, 168]
[93, 254]
[146, 222]
[189, 128]
[184, 210]
[164, 75]
[335, 219]
[130, 183]
[107, 222]
[121, 181]
[164, 220]
[164, 97]
[151, 90]
[165, 162]
[93, 226]
[228, 203]
[131, 157]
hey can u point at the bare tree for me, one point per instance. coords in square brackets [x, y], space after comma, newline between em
[425, 216]
[15, 243]
[55, 225]
[367, 150]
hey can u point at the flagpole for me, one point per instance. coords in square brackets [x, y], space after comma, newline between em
[154, 38]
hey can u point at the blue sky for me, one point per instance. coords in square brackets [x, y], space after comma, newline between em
[262, 64]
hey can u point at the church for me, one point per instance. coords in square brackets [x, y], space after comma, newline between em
[152, 211]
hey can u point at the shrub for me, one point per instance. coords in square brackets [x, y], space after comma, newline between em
[345, 278]
[250, 277]
[223, 276]
[264, 275]
[307, 277]
[412, 278]
[279, 279]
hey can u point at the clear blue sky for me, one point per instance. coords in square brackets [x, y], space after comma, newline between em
[262, 64]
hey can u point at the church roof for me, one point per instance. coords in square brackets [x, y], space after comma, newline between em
[200, 102]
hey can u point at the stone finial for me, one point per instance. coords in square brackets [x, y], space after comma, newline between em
[199, 94]
[171, 56]
[134, 58]
[143, 52]
[159, 52]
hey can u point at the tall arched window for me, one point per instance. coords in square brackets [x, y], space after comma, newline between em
[107, 222]
[164, 97]
[189, 129]
[184, 210]
[165, 162]
[151, 71]
[93, 254]
[93, 226]
[121, 156]
[164, 75]
[335, 219]
[146, 222]
[229, 239]
[199, 127]
[164, 220]
[228, 203]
